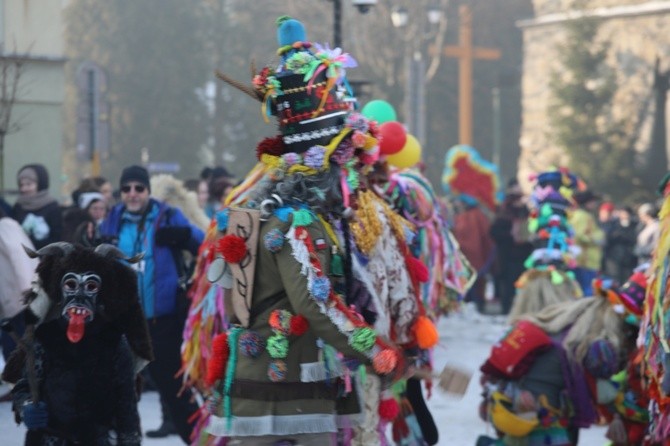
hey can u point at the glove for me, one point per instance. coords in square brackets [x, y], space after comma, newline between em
[35, 415]
[176, 236]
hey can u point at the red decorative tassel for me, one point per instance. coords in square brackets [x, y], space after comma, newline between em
[400, 429]
[417, 269]
[216, 366]
[232, 247]
[425, 333]
[299, 325]
[388, 409]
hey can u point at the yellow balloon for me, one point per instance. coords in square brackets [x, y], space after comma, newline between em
[408, 156]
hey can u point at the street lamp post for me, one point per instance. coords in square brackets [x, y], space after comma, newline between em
[363, 7]
[415, 82]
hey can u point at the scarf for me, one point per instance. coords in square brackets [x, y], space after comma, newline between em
[35, 202]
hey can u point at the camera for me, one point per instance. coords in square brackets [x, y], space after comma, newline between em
[364, 5]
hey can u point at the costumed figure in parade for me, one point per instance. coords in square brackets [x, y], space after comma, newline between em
[548, 278]
[85, 340]
[551, 373]
[655, 327]
[473, 185]
[284, 370]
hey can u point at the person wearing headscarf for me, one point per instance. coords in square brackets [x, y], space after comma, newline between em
[38, 212]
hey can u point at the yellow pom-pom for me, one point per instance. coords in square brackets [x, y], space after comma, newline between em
[425, 333]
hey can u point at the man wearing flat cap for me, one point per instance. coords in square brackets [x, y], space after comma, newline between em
[141, 224]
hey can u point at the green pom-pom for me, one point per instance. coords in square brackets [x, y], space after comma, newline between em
[282, 19]
[571, 275]
[528, 264]
[277, 346]
[362, 339]
[545, 210]
[556, 278]
[302, 217]
[532, 225]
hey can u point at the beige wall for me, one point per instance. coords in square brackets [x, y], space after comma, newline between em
[636, 40]
[34, 27]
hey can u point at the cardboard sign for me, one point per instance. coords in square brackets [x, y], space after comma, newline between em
[454, 381]
[244, 223]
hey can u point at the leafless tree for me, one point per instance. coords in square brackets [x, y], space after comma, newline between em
[12, 67]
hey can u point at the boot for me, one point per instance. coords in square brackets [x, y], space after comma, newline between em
[166, 429]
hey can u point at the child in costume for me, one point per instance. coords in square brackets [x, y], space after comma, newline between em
[548, 278]
[545, 379]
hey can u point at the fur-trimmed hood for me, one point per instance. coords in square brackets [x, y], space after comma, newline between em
[170, 190]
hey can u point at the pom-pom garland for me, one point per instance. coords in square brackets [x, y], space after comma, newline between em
[277, 370]
[299, 325]
[216, 365]
[251, 344]
[425, 333]
[232, 247]
[362, 339]
[388, 409]
[277, 346]
[320, 289]
[417, 269]
[385, 361]
[274, 240]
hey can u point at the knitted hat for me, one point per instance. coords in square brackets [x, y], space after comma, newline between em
[87, 198]
[36, 173]
[631, 294]
[135, 173]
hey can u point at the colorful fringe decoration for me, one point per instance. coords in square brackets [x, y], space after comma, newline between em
[450, 275]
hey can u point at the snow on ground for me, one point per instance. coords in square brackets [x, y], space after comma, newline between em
[465, 342]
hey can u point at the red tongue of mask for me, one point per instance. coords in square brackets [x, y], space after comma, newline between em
[75, 328]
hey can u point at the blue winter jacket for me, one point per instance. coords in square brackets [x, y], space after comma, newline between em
[158, 288]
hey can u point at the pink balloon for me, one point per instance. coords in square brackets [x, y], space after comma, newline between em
[393, 137]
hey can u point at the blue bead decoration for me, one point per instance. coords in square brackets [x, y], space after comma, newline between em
[274, 240]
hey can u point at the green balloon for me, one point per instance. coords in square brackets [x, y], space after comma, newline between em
[380, 111]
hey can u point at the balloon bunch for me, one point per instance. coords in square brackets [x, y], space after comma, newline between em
[401, 149]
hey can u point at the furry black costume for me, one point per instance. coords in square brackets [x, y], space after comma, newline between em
[75, 381]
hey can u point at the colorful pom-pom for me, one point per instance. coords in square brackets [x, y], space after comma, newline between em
[362, 339]
[232, 247]
[273, 146]
[299, 325]
[320, 288]
[425, 333]
[302, 217]
[251, 344]
[216, 365]
[277, 370]
[274, 240]
[388, 409]
[417, 269]
[277, 346]
[385, 361]
[280, 321]
[314, 157]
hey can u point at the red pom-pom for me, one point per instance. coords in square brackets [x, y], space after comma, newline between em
[216, 366]
[232, 247]
[417, 269]
[425, 333]
[271, 146]
[299, 325]
[400, 429]
[388, 409]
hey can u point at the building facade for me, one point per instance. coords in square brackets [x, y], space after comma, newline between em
[637, 31]
[32, 31]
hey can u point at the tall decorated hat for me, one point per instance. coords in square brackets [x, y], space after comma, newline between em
[310, 97]
[551, 234]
